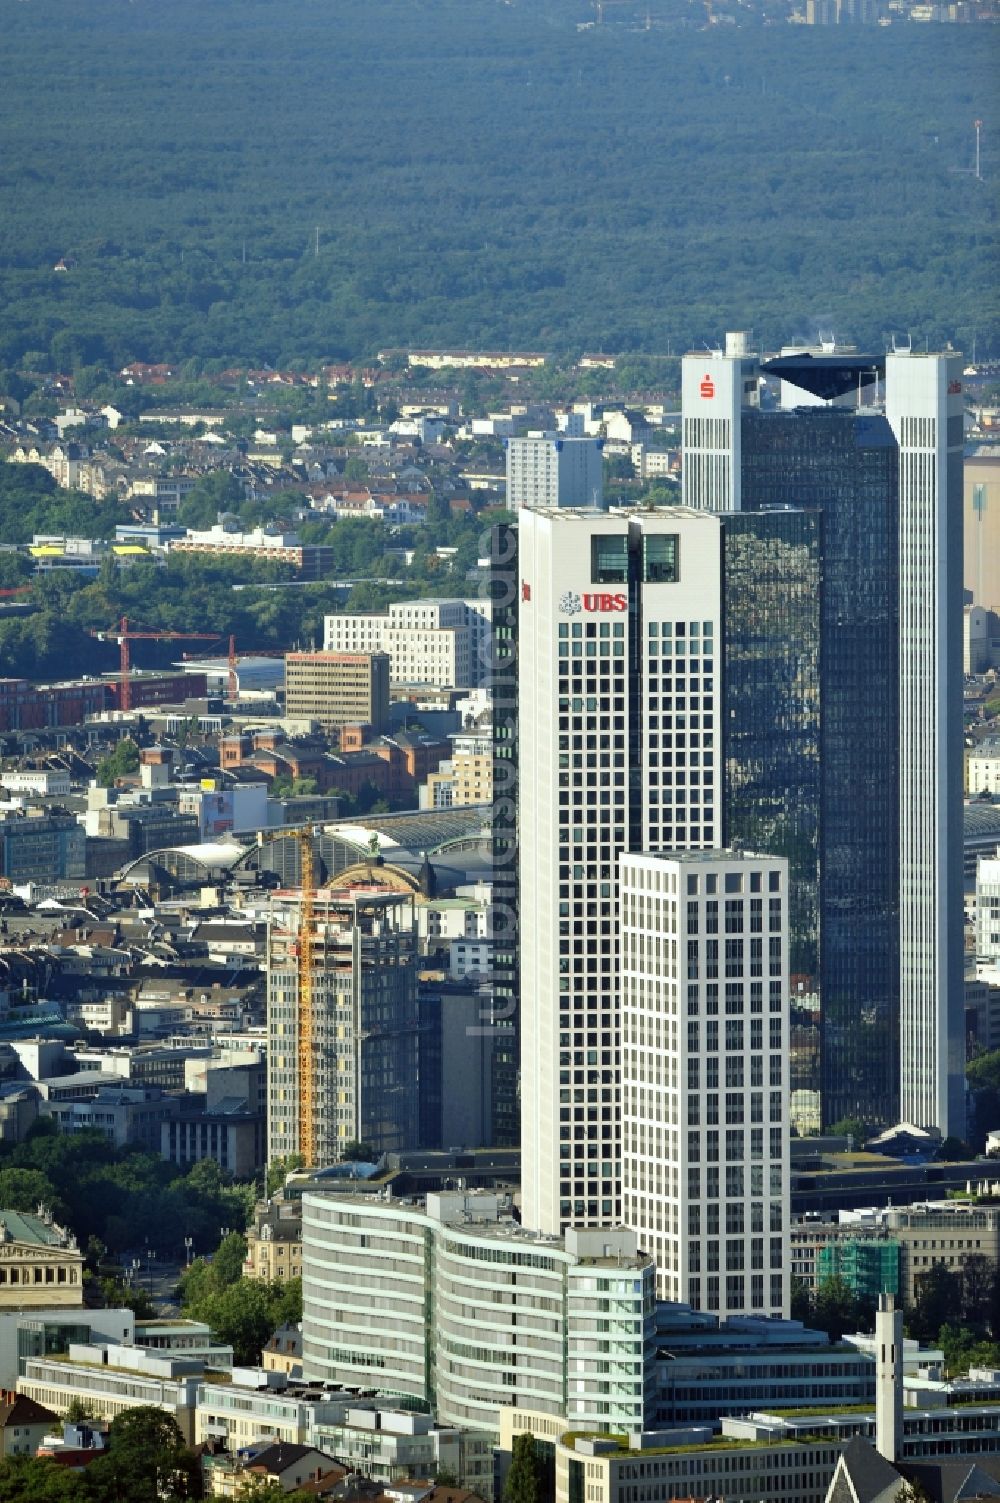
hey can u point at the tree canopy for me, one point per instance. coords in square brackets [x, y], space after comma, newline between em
[784, 177]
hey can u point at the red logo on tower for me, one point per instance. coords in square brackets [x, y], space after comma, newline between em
[707, 387]
[525, 590]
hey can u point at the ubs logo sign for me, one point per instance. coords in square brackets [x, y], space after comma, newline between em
[571, 604]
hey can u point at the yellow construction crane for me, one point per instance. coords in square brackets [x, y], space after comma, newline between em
[305, 936]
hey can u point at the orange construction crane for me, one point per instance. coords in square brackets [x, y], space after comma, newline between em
[305, 1029]
[123, 636]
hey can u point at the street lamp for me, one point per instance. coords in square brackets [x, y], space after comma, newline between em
[150, 1260]
[188, 1244]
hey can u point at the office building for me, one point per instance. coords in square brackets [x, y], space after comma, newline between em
[442, 642]
[36, 846]
[452, 1304]
[618, 634]
[342, 1060]
[875, 448]
[338, 688]
[704, 1075]
[554, 469]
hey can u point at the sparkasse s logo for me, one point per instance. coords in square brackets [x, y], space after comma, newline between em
[707, 387]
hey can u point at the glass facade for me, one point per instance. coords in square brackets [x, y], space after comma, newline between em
[771, 720]
[844, 464]
[500, 1012]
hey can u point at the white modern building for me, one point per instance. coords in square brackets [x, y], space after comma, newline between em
[554, 469]
[619, 749]
[452, 1304]
[704, 1077]
[925, 408]
[441, 642]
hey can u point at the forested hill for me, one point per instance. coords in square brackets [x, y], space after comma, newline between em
[462, 171]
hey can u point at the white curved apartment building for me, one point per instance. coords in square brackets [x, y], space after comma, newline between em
[451, 1304]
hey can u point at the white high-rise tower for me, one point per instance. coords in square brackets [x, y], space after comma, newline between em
[619, 697]
[924, 406]
[704, 1021]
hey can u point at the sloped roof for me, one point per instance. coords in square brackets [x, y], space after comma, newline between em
[863, 1476]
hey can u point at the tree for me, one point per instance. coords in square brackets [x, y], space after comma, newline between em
[147, 1461]
[836, 1308]
[25, 1479]
[78, 1409]
[123, 762]
[356, 1150]
[278, 1168]
[954, 1151]
[522, 1484]
[230, 1256]
[801, 1301]
[979, 1275]
[850, 1127]
[938, 1295]
[25, 1190]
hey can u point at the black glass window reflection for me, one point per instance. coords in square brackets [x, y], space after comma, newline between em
[844, 465]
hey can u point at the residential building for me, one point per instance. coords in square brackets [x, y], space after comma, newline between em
[982, 767]
[264, 1406]
[452, 1303]
[361, 1078]
[274, 1242]
[703, 987]
[988, 911]
[40, 1264]
[289, 1467]
[394, 1445]
[554, 469]
[338, 688]
[23, 1424]
[874, 444]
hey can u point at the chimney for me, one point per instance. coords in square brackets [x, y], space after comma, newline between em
[888, 1379]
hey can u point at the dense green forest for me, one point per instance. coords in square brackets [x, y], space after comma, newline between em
[252, 181]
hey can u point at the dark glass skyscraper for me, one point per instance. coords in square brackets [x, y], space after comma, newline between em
[873, 444]
[843, 465]
[772, 592]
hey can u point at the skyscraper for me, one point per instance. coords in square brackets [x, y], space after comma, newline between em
[704, 1023]
[618, 750]
[554, 469]
[360, 1025]
[885, 479]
